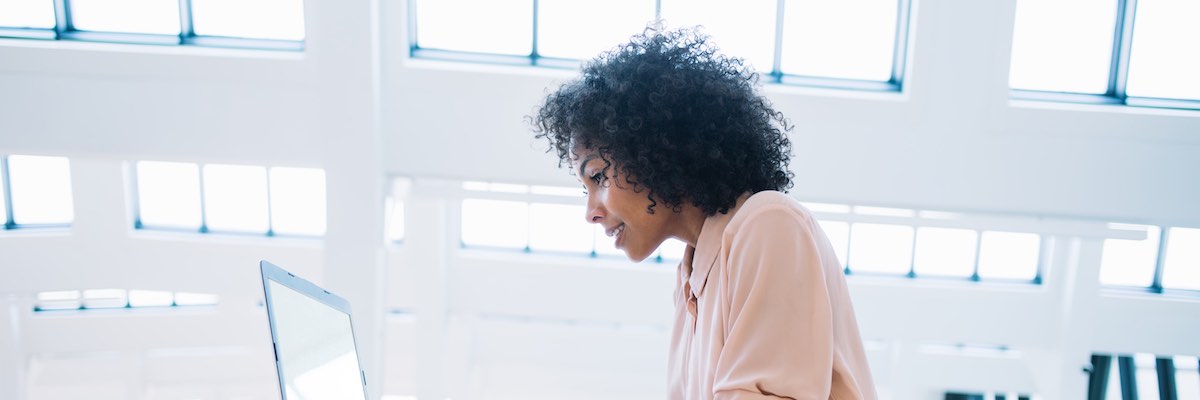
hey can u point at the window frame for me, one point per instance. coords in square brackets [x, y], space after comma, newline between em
[775, 76]
[10, 223]
[1118, 74]
[138, 224]
[64, 29]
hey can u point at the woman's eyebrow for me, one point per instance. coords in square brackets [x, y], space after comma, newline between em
[585, 162]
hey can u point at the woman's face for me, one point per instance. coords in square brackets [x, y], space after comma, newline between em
[614, 204]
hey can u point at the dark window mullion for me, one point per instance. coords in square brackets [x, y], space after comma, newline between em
[1165, 366]
[270, 220]
[8, 208]
[135, 197]
[978, 250]
[776, 64]
[203, 206]
[62, 18]
[186, 30]
[1098, 379]
[533, 53]
[1159, 261]
[1118, 72]
[900, 49]
[1128, 372]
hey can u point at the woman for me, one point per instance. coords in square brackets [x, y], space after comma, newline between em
[671, 140]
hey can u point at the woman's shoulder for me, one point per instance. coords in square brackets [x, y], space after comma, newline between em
[768, 205]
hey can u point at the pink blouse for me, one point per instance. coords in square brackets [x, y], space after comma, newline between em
[762, 310]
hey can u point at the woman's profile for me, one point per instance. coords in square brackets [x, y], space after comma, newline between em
[672, 140]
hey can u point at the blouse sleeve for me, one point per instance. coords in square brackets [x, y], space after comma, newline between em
[779, 340]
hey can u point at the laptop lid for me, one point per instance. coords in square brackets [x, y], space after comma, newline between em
[315, 354]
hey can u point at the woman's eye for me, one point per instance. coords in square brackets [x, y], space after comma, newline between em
[597, 177]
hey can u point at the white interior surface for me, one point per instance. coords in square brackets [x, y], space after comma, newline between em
[491, 325]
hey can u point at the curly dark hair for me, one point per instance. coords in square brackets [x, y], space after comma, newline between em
[674, 116]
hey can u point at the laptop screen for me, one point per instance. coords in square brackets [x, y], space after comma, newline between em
[315, 344]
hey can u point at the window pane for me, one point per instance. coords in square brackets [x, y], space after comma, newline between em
[27, 13]
[105, 298]
[1146, 376]
[1063, 45]
[260, 19]
[168, 194]
[880, 248]
[1130, 262]
[59, 300]
[1009, 255]
[1165, 60]
[1187, 379]
[605, 245]
[839, 236]
[744, 29]
[1114, 380]
[150, 298]
[395, 225]
[298, 201]
[582, 29]
[1181, 268]
[482, 26]
[945, 252]
[151, 16]
[672, 249]
[559, 227]
[851, 39]
[495, 223]
[41, 190]
[235, 198]
[196, 299]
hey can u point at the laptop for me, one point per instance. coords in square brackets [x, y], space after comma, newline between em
[315, 354]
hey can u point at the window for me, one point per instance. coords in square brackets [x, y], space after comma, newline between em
[36, 191]
[788, 41]
[536, 219]
[945, 252]
[1130, 262]
[99, 299]
[230, 198]
[1009, 255]
[262, 24]
[881, 248]
[1113, 52]
[1181, 268]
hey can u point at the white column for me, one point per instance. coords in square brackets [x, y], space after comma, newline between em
[12, 353]
[427, 213]
[1075, 278]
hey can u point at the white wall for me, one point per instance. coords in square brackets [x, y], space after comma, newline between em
[521, 326]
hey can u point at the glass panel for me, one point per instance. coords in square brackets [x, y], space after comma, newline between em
[152, 16]
[196, 299]
[1146, 376]
[1164, 60]
[235, 198]
[605, 245]
[41, 190]
[945, 252]
[672, 249]
[495, 223]
[881, 248]
[744, 29]
[27, 14]
[150, 298]
[865, 32]
[260, 19]
[105, 298]
[1009, 255]
[1181, 269]
[1187, 379]
[838, 234]
[559, 227]
[60, 300]
[1130, 262]
[168, 194]
[1063, 45]
[298, 201]
[481, 26]
[582, 29]
[395, 226]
